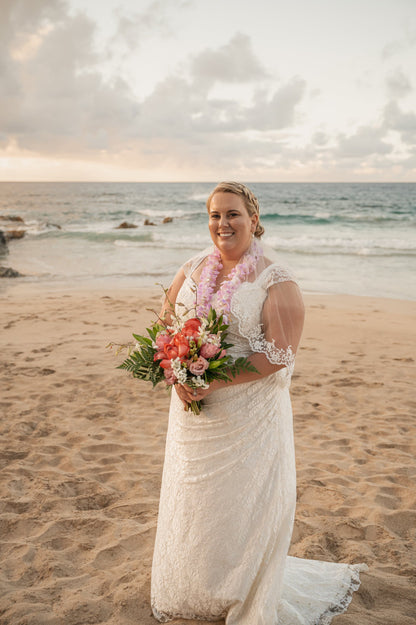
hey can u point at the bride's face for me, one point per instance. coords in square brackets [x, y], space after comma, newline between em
[230, 225]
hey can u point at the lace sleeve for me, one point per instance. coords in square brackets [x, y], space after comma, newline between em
[270, 314]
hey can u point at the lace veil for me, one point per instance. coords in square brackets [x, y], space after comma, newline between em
[267, 307]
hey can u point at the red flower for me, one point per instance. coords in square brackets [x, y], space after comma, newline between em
[171, 351]
[182, 344]
[191, 327]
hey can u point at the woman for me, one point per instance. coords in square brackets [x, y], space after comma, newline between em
[228, 493]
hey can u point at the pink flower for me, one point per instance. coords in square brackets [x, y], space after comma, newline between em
[170, 377]
[197, 367]
[208, 350]
[223, 353]
[162, 340]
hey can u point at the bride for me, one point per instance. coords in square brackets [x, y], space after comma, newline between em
[228, 494]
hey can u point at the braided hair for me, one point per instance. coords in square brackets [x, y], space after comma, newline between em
[250, 201]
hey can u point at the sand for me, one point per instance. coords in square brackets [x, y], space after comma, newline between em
[82, 449]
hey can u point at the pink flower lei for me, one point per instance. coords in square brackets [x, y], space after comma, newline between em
[209, 274]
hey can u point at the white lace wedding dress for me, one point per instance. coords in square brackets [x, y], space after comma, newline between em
[227, 500]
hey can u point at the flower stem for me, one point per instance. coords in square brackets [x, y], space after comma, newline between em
[195, 406]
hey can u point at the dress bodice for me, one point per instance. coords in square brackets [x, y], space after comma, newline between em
[186, 302]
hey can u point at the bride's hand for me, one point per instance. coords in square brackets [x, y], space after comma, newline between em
[187, 394]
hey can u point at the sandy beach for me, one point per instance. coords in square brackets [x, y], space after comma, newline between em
[83, 443]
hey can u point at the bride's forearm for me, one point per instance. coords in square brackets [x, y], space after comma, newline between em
[263, 366]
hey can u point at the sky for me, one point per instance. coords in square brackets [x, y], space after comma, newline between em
[191, 90]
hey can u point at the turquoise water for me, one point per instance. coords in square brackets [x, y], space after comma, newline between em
[337, 238]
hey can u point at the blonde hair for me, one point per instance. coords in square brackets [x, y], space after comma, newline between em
[250, 201]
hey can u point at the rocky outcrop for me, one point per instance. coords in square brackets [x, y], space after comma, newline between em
[3, 244]
[125, 224]
[15, 234]
[12, 218]
[167, 220]
[147, 222]
[8, 272]
[14, 227]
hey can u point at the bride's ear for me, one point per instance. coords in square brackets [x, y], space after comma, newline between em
[254, 222]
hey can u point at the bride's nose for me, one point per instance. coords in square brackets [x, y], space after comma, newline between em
[223, 220]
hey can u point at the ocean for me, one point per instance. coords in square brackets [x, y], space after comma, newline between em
[353, 238]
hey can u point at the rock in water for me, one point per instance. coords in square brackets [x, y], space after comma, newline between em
[15, 234]
[3, 244]
[8, 272]
[125, 224]
[12, 218]
[167, 220]
[147, 222]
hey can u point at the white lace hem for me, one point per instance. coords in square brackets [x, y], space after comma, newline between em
[339, 606]
[342, 604]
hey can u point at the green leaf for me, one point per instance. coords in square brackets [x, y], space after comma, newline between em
[214, 364]
[143, 340]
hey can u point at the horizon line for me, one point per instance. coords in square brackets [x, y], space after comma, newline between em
[214, 181]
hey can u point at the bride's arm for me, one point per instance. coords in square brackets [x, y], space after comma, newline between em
[282, 322]
[263, 366]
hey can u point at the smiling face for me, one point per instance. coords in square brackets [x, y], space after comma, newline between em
[230, 225]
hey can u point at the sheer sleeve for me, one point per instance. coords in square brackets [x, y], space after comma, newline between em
[282, 323]
[270, 314]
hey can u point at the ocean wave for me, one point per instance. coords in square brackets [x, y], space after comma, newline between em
[199, 197]
[326, 217]
[172, 244]
[339, 245]
[100, 237]
[177, 213]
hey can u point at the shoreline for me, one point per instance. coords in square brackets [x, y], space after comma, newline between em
[11, 288]
[84, 447]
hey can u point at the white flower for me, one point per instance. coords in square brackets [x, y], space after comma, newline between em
[182, 376]
[215, 339]
[200, 382]
[179, 371]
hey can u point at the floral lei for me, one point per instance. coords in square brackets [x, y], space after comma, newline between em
[237, 275]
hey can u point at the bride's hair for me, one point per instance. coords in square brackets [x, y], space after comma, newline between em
[250, 201]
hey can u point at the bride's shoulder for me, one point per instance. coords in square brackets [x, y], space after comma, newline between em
[273, 272]
[192, 264]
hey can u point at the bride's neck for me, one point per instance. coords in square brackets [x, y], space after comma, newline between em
[228, 264]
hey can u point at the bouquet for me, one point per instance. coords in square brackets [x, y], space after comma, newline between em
[188, 351]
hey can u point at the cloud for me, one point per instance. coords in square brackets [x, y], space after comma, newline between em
[190, 111]
[278, 111]
[396, 46]
[398, 84]
[56, 100]
[403, 123]
[134, 28]
[60, 103]
[365, 141]
[234, 62]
